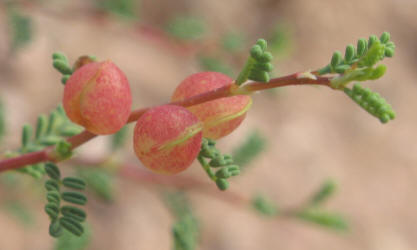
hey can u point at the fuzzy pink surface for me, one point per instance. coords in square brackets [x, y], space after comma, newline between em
[97, 96]
[161, 126]
[211, 111]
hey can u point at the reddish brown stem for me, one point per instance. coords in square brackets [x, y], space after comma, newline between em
[85, 136]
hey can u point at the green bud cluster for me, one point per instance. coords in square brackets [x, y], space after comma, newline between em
[223, 163]
[367, 54]
[372, 102]
[66, 217]
[258, 66]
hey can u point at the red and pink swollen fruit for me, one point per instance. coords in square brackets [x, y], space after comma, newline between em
[97, 96]
[167, 139]
[220, 116]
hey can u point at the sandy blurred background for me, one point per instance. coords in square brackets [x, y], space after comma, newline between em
[312, 133]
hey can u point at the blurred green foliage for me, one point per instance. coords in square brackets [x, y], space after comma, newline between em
[19, 211]
[99, 181]
[323, 218]
[185, 230]
[127, 9]
[21, 28]
[208, 63]
[264, 206]
[118, 139]
[233, 41]
[251, 147]
[68, 241]
[280, 40]
[187, 27]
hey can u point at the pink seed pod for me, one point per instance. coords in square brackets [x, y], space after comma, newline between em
[97, 96]
[220, 116]
[167, 139]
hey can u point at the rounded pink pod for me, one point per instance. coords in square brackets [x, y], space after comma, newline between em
[167, 139]
[97, 96]
[220, 116]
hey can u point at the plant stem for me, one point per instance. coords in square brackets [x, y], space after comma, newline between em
[230, 90]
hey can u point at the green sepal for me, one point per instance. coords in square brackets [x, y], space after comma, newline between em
[72, 226]
[73, 182]
[74, 213]
[55, 229]
[52, 171]
[74, 197]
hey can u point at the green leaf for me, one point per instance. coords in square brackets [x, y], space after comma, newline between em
[55, 229]
[52, 170]
[51, 185]
[73, 182]
[74, 197]
[72, 226]
[74, 213]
